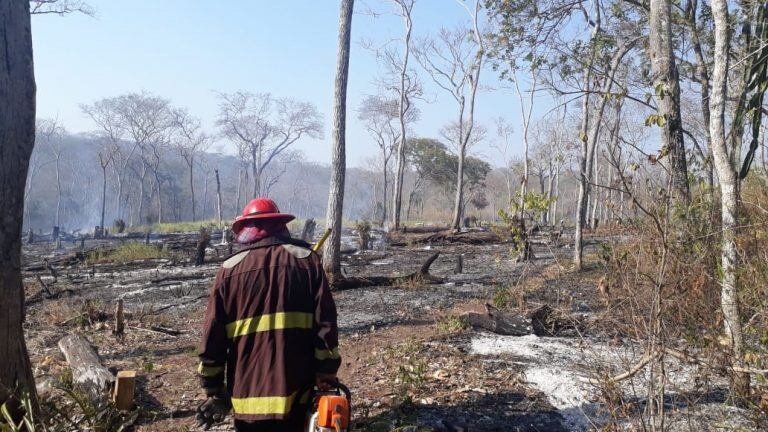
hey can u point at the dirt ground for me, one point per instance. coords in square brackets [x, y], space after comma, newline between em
[409, 358]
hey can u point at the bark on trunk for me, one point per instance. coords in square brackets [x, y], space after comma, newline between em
[103, 196]
[402, 109]
[588, 149]
[17, 138]
[729, 199]
[218, 198]
[192, 188]
[332, 250]
[667, 84]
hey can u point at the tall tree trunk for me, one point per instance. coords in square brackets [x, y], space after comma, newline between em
[402, 108]
[588, 150]
[218, 198]
[159, 198]
[57, 221]
[103, 196]
[192, 188]
[459, 197]
[17, 139]
[384, 200]
[702, 73]
[332, 250]
[667, 84]
[581, 200]
[727, 176]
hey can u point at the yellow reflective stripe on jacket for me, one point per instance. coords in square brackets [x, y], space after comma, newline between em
[263, 405]
[209, 371]
[327, 354]
[276, 321]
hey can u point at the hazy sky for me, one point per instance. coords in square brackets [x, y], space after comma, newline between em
[185, 50]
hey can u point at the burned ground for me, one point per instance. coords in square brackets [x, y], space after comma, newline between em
[409, 356]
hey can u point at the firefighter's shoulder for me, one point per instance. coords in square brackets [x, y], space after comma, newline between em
[297, 250]
[235, 259]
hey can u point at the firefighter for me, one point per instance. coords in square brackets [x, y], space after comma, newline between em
[270, 328]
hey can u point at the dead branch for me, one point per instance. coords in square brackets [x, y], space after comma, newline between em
[421, 276]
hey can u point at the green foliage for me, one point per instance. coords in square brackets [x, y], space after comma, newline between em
[434, 163]
[452, 324]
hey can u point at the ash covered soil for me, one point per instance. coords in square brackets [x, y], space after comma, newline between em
[409, 357]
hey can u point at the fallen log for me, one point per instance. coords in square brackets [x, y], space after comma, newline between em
[448, 237]
[499, 322]
[420, 276]
[87, 371]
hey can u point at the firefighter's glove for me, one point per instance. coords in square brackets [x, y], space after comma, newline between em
[213, 410]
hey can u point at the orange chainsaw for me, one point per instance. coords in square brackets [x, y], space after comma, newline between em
[332, 411]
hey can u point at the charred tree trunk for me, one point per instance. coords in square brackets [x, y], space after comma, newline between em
[332, 251]
[17, 138]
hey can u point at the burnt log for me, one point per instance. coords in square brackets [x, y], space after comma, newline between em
[420, 276]
[503, 323]
[87, 371]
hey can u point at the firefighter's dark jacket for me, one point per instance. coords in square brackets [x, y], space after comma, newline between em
[269, 328]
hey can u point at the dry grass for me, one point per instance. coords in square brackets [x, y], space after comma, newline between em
[132, 251]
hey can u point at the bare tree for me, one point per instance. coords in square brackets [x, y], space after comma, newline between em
[409, 87]
[51, 134]
[189, 140]
[105, 113]
[106, 155]
[60, 7]
[379, 116]
[17, 139]
[332, 250]
[263, 127]
[728, 177]
[454, 61]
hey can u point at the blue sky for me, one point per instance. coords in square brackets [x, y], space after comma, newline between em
[185, 50]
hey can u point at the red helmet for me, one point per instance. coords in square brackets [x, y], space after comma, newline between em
[260, 208]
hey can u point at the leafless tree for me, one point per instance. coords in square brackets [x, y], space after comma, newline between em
[106, 155]
[17, 139]
[332, 249]
[454, 61]
[60, 7]
[727, 175]
[379, 115]
[189, 140]
[51, 134]
[263, 127]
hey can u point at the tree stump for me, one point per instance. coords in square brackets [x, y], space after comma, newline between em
[202, 244]
[119, 330]
[30, 236]
[308, 232]
[124, 390]
[87, 371]
[459, 264]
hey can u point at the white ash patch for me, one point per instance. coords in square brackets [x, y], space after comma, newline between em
[548, 366]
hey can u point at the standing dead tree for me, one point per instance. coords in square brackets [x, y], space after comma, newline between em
[454, 61]
[264, 127]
